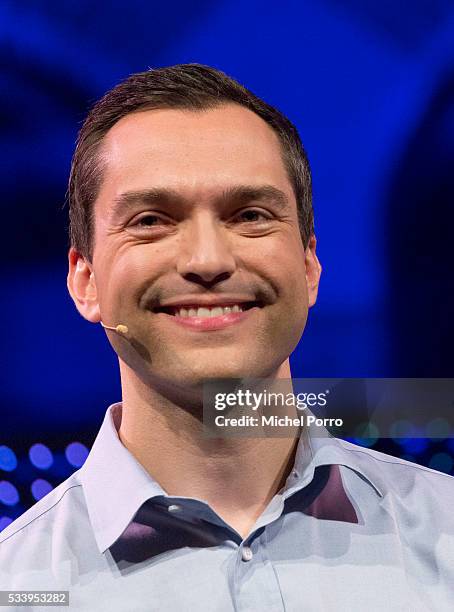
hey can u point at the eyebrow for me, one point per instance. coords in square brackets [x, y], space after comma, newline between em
[240, 194]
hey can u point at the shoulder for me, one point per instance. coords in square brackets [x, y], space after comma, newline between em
[53, 512]
[399, 476]
[36, 547]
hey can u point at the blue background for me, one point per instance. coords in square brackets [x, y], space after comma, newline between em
[370, 86]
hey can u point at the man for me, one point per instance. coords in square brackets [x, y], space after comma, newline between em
[192, 230]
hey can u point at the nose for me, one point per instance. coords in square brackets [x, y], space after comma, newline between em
[205, 255]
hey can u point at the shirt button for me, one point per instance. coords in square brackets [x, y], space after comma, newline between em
[174, 508]
[247, 553]
[294, 474]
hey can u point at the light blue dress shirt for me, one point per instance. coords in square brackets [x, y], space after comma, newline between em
[353, 529]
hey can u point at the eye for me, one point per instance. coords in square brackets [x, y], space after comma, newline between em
[250, 215]
[148, 220]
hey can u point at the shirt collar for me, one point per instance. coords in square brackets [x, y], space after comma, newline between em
[317, 447]
[116, 485]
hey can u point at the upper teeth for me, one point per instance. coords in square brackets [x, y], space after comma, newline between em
[215, 311]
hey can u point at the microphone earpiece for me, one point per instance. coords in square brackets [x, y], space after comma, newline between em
[120, 329]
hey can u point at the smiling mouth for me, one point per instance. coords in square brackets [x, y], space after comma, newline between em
[216, 310]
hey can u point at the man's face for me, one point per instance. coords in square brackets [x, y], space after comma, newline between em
[197, 208]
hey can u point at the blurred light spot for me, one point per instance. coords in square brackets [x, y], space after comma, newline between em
[441, 462]
[366, 434]
[438, 428]
[401, 429]
[8, 493]
[41, 456]
[40, 488]
[5, 521]
[8, 460]
[415, 445]
[76, 453]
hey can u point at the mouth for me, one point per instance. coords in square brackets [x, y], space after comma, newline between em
[209, 317]
[205, 312]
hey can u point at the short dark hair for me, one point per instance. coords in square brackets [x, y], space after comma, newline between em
[183, 86]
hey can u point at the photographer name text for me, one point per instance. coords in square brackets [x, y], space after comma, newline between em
[276, 421]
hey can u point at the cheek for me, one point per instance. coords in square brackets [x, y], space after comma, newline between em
[294, 294]
[122, 277]
[287, 273]
[295, 303]
[287, 269]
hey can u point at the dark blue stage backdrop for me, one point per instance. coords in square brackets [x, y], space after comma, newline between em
[371, 90]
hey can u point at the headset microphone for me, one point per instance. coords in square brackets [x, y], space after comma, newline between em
[120, 329]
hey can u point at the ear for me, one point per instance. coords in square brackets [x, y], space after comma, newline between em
[82, 286]
[313, 270]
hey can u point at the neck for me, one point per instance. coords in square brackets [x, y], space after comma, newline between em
[169, 444]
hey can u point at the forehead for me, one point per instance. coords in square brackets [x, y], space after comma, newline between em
[196, 152]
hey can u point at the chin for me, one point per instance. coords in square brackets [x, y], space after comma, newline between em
[191, 368]
[237, 370]
[218, 372]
